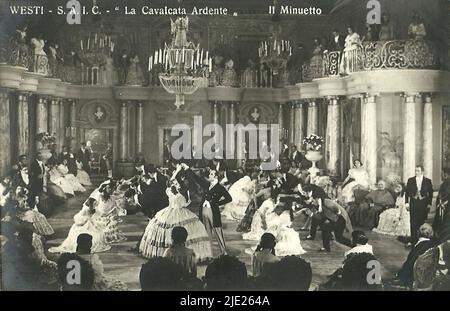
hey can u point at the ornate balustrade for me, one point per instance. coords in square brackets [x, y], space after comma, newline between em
[377, 55]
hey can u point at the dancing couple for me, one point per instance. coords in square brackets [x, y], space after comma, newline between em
[157, 236]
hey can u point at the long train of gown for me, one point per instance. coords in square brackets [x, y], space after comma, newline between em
[157, 236]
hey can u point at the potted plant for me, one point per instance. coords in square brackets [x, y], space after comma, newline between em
[313, 144]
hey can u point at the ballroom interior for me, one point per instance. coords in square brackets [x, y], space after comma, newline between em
[112, 81]
[390, 113]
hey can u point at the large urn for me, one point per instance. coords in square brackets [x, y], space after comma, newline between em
[314, 156]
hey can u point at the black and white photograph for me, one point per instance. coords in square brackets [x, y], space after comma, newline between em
[225, 145]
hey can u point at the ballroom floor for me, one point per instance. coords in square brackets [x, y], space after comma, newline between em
[125, 266]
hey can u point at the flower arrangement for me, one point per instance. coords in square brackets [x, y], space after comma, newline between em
[46, 139]
[313, 142]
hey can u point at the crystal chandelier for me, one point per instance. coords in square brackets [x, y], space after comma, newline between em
[275, 53]
[185, 67]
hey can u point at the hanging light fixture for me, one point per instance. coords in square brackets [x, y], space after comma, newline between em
[185, 66]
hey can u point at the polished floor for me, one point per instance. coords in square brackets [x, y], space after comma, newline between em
[125, 266]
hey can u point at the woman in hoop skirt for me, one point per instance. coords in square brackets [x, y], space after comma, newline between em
[157, 236]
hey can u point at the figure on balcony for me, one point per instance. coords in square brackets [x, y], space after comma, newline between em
[72, 67]
[123, 64]
[134, 75]
[248, 78]
[229, 77]
[108, 74]
[215, 78]
[416, 29]
[337, 43]
[387, 28]
[316, 62]
[40, 64]
[371, 34]
[55, 60]
[19, 52]
[349, 62]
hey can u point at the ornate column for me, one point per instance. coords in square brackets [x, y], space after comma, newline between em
[5, 137]
[292, 124]
[62, 126]
[23, 131]
[298, 125]
[216, 122]
[123, 131]
[312, 118]
[370, 136]
[281, 124]
[428, 137]
[140, 128]
[53, 120]
[73, 123]
[333, 136]
[232, 113]
[41, 115]
[409, 136]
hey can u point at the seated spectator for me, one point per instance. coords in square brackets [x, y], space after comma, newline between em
[290, 273]
[23, 267]
[180, 254]
[367, 215]
[442, 281]
[160, 273]
[406, 274]
[226, 273]
[353, 275]
[360, 244]
[264, 254]
[68, 280]
[101, 281]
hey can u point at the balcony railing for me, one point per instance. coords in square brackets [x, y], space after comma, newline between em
[398, 54]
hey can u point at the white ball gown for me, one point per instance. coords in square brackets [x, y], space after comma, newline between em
[395, 221]
[360, 179]
[241, 192]
[64, 171]
[157, 236]
[288, 240]
[82, 176]
[83, 223]
[58, 179]
[258, 226]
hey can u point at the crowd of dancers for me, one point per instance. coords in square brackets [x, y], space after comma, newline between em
[186, 205]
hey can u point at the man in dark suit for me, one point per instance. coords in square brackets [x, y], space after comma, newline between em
[36, 176]
[337, 42]
[152, 191]
[288, 181]
[84, 156]
[419, 195]
[406, 273]
[295, 156]
[331, 217]
[214, 197]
